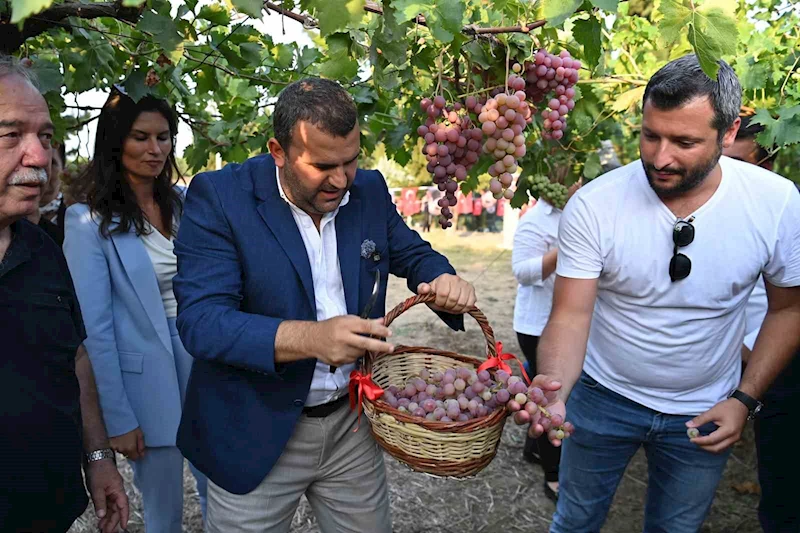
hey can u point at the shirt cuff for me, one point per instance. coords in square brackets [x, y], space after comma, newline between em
[566, 272]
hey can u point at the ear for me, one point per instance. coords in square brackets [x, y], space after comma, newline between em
[278, 153]
[730, 135]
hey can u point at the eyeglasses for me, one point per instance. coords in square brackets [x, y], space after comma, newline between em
[680, 266]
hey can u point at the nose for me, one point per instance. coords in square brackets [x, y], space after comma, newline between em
[154, 147]
[663, 155]
[36, 154]
[338, 177]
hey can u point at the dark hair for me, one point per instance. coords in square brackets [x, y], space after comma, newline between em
[103, 185]
[323, 103]
[682, 80]
[749, 130]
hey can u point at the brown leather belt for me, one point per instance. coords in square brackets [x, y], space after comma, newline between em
[325, 409]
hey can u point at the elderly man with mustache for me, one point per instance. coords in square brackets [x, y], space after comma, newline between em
[50, 419]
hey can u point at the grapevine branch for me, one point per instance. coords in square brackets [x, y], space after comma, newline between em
[12, 37]
[371, 7]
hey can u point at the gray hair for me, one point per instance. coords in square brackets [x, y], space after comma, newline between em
[682, 80]
[10, 66]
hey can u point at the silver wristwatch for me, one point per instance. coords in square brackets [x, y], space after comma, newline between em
[99, 455]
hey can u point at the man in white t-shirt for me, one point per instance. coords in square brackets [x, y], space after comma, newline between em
[656, 262]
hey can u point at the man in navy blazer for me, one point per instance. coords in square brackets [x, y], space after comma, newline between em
[273, 270]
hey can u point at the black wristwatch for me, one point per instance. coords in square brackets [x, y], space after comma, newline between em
[753, 405]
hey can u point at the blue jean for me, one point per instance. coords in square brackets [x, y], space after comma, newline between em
[682, 477]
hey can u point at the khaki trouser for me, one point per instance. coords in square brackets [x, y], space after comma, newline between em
[341, 473]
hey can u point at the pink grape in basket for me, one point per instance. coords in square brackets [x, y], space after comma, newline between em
[520, 398]
[438, 413]
[424, 374]
[522, 417]
[429, 405]
[502, 376]
[513, 406]
[484, 375]
[449, 389]
[478, 387]
[503, 396]
[446, 419]
[460, 384]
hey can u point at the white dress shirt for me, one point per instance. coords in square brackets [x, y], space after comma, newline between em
[537, 234]
[323, 255]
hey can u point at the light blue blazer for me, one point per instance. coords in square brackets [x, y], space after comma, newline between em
[128, 337]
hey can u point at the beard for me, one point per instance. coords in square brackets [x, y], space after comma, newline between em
[691, 177]
[309, 200]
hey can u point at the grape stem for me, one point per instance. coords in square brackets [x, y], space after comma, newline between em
[480, 91]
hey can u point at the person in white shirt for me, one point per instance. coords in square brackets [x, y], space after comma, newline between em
[778, 467]
[656, 262]
[533, 262]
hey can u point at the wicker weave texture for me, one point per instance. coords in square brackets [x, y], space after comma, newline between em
[445, 449]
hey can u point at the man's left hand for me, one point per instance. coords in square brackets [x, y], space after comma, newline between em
[453, 294]
[731, 416]
[108, 495]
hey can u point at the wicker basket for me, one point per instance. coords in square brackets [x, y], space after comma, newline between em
[444, 449]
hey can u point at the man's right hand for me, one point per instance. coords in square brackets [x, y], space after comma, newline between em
[343, 339]
[555, 406]
[130, 444]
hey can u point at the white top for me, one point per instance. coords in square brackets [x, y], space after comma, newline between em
[537, 234]
[676, 347]
[162, 255]
[323, 255]
[755, 312]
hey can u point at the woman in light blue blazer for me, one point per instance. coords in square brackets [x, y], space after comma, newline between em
[118, 244]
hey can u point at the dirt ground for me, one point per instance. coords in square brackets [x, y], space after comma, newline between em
[507, 496]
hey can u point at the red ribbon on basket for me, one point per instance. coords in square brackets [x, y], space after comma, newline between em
[497, 361]
[361, 384]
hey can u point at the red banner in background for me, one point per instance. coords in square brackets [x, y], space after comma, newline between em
[408, 203]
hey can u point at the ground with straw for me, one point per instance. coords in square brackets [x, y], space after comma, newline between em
[507, 496]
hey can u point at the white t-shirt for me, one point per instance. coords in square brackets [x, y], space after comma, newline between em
[536, 234]
[165, 264]
[754, 313]
[676, 347]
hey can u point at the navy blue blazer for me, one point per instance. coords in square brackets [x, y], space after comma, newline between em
[242, 270]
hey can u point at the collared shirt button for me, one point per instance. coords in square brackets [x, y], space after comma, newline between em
[298, 403]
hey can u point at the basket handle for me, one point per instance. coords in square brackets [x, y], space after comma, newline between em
[474, 312]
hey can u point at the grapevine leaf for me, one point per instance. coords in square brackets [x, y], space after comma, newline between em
[251, 52]
[445, 18]
[606, 5]
[751, 75]
[215, 14]
[391, 37]
[339, 64]
[135, 86]
[249, 7]
[163, 28]
[779, 132]
[335, 15]
[628, 99]
[592, 168]
[50, 78]
[22, 9]
[712, 30]
[557, 11]
[676, 17]
[588, 33]
[397, 134]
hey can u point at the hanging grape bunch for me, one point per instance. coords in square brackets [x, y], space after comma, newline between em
[452, 147]
[551, 78]
[503, 119]
[555, 193]
[461, 394]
